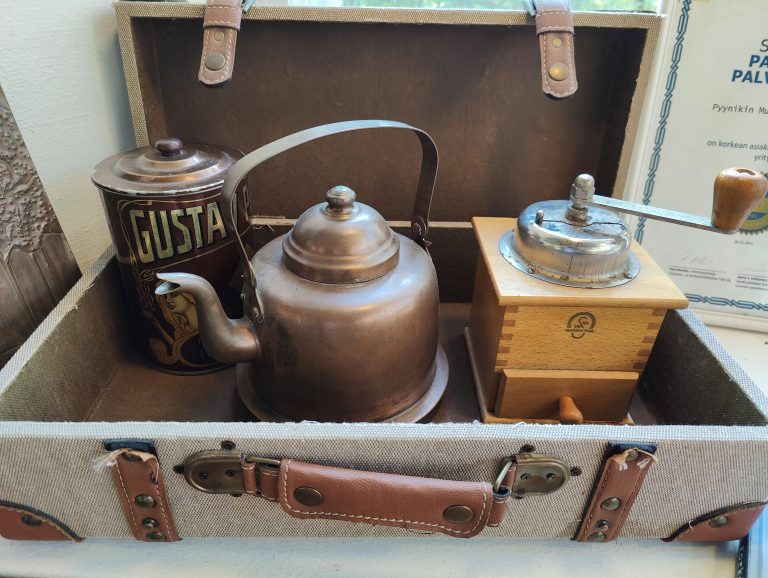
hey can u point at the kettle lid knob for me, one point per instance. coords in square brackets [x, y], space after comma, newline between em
[340, 199]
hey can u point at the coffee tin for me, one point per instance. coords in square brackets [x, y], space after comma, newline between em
[164, 210]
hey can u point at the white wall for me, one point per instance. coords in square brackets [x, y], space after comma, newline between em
[61, 71]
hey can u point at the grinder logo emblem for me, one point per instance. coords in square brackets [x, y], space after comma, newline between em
[580, 324]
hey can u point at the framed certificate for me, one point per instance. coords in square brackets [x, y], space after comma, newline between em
[709, 111]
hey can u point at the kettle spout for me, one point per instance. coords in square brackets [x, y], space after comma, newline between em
[227, 340]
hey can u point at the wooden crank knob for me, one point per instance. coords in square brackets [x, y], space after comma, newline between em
[737, 192]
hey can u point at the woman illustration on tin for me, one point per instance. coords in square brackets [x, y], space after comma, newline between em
[180, 312]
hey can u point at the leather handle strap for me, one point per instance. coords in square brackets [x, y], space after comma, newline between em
[554, 27]
[310, 491]
[240, 170]
[220, 26]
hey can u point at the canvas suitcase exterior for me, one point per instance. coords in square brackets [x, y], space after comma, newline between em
[76, 399]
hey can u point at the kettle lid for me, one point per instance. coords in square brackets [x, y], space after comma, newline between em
[169, 167]
[341, 241]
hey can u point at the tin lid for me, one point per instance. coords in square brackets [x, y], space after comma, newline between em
[169, 167]
[341, 241]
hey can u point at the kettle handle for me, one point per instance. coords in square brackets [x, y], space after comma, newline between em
[240, 170]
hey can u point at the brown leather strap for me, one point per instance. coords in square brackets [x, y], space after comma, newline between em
[220, 26]
[721, 525]
[554, 27]
[311, 491]
[18, 522]
[139, 484]
[619, 484]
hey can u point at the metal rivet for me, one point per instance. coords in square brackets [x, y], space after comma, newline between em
[558, 71]
[603, 525]
[610, 504]
[149, 523]
[144, 501]
[215, 61]
[596, 537]
[575, 471]
[458, 514]
[227, 445]
[230, 473]
[155, 537]
[632, 455]
[308, 496]
[28, 520]
[718, 522]
[551, 476]
[179, 468]
[557, 42]
[527, 449]
[219, 35]
[525, 476]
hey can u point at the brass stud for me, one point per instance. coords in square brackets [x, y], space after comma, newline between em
[603, 525]
[308, 496]
[557, 42]
[610, 504]
[632, 455]
[215, 61]
[558, 71]
[596, 537]
[144, 501]
[458, 514]
[28, 520]
[718, 522]
[155, 537]
[219, 35]
[149, 522]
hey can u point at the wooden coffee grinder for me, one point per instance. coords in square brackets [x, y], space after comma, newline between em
[567, 307]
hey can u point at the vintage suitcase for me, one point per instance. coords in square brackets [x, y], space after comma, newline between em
[104, 446]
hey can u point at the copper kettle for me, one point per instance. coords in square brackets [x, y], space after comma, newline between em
[341, 313]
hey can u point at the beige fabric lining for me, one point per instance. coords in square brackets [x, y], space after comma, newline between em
[62, 381]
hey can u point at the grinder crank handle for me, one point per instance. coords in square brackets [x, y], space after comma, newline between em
[737, 191]
[240, 170]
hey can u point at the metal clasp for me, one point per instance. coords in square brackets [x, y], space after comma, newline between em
[535, 474]
[220, 472]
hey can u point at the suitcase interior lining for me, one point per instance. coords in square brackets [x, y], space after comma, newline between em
[81, 365]
[293, 75]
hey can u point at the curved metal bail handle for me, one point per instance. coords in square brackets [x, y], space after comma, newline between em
[240, 170]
